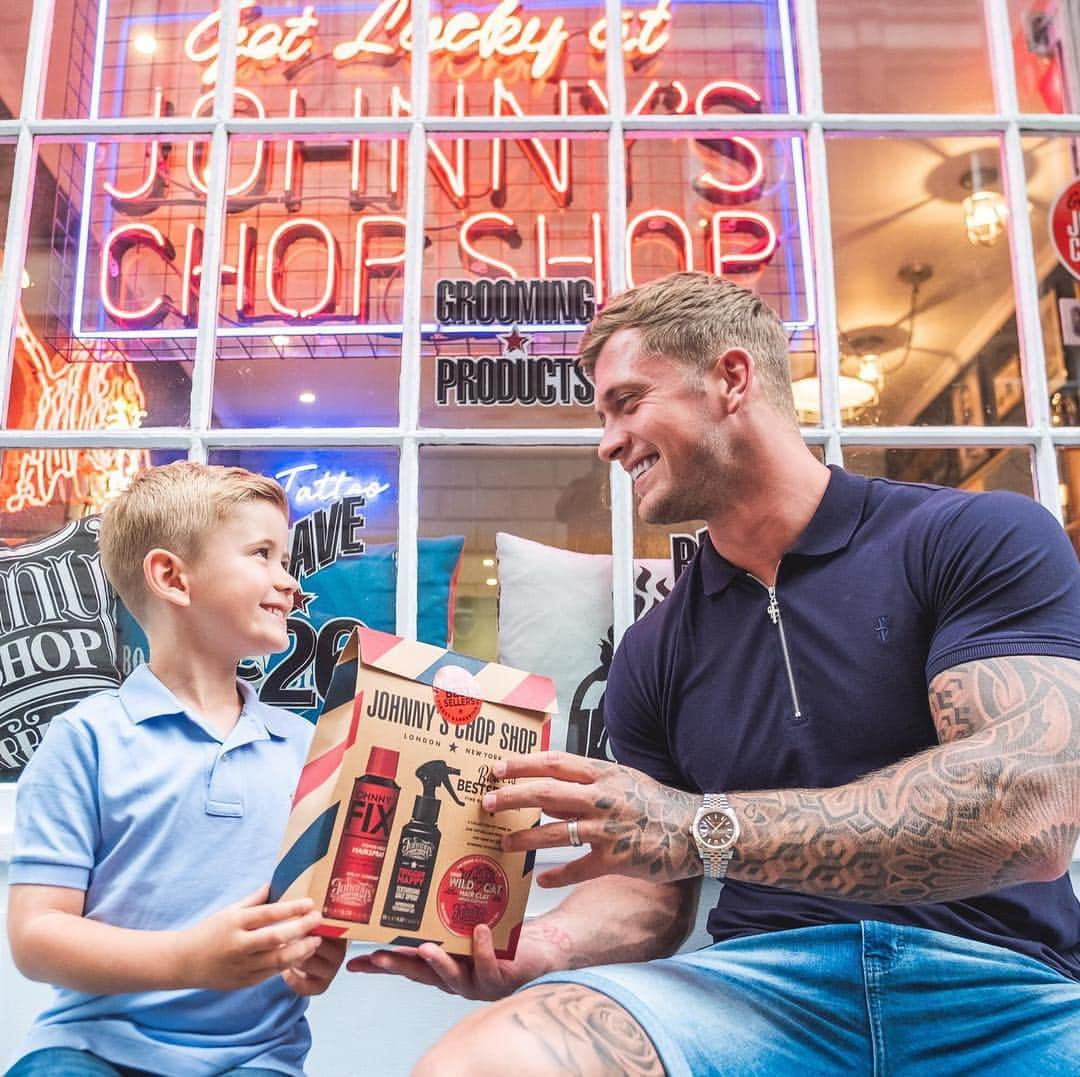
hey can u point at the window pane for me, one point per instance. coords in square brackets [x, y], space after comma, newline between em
[343, 552]
[896, 56]
[1053, 179]
[924, 287]
[968, 468]
[515, 237]
[1047, 55]
[111, 58]
[13, 57]
[534, 587]
[101, 341]
[1069, 493]
[310, 315]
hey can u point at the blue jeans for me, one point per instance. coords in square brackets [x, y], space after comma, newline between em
[868, 999]
[68, 1062]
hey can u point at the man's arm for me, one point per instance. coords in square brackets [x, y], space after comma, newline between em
[996, 803]
[241, 945]
[603, 920]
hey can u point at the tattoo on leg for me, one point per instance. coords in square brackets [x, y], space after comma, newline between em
[584, 1033]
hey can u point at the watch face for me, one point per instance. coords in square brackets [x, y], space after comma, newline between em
[716, 830]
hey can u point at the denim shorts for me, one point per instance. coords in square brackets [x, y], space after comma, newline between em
[872, 999]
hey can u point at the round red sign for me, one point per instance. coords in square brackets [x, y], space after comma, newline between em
[1065, 227]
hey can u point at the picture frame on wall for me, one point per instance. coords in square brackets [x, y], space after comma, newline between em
[1007, 387]
[1053, 340]
[966, 405]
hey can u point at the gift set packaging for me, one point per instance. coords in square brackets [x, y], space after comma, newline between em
[387, 834]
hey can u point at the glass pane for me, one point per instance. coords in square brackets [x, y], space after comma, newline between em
[7, 165]
[925, 295]
[343, 551]
[498, 61]
[1069, 493]
[1046, 50]
[101, 340]
[973, 468]
[891, 56]
[515, 240]
[57, 611]
[311, 312]
[13, 57]
[735, 205]
[111, 58]
[1054, 181]
[534, 587]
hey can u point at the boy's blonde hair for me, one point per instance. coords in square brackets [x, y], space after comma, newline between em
[694, 318]
[173, 507]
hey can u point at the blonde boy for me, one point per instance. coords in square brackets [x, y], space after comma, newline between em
[148, 821]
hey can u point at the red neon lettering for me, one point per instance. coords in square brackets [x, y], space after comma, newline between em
[741, 222]
[277, 250]
[481, 224]
[594, 262]
[366, 267]
[119, 243]
[658, 224]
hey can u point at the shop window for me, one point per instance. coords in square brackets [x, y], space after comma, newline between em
[1069, 493]
[892, 56]
[1053, 190]
[925, 299]
[310, 314]
[7, 165]
[1046, 54]
[515, 264]
[975, 467]
[100, 338]
[534, 589]
[13, 67]
[343, 506]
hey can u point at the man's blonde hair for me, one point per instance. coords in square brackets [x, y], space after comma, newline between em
[173, 507]
[694, 318]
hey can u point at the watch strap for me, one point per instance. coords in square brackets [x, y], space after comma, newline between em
[716, 862]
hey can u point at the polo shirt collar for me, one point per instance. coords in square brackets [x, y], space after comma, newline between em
[144, 696]
[831, 528]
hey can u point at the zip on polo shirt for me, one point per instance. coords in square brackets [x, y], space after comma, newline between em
[773, 610]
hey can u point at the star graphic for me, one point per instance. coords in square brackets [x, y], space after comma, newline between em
[514, 341]
[453, 747]
[301, 600]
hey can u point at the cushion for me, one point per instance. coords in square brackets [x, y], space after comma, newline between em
[57, 640]
[555, 618]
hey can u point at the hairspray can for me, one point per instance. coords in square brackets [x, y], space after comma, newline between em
[362, 849]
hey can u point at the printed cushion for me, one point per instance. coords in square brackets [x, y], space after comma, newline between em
[344, 582]
[555, 618]
[57, 640]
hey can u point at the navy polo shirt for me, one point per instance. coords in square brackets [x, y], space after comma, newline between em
[728, 685]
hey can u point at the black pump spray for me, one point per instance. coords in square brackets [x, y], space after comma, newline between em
[419, 845]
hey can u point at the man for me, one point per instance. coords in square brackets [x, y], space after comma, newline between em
[860, 705]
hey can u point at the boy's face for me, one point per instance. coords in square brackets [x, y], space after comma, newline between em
[241, 591]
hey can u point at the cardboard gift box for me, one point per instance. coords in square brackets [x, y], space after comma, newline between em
[387, 834]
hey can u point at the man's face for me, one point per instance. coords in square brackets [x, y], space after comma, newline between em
[659, 427]
[241, 590]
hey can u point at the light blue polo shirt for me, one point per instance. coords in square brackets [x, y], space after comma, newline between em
[161, 821]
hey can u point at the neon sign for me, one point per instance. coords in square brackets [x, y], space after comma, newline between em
[307, 485]
[309, 271]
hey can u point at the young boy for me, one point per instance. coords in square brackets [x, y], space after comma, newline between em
[148, 821]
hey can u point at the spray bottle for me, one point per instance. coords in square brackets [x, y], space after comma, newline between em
[417, 850]
[362, 849]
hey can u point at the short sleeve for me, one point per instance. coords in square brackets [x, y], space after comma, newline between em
[1002, 579]
[56, 817]
[632, 714]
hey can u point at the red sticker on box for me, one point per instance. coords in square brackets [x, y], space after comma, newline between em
[473, 891]
[454, 695]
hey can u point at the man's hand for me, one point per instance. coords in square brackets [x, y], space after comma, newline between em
[246, 943]
[483, 976]
[313, 976]
[635, 825]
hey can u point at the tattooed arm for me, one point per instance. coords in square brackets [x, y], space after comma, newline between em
[996, 803]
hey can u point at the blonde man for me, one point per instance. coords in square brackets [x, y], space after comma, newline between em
[148, 821]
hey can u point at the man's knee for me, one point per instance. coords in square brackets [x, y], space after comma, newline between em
[548, 1029]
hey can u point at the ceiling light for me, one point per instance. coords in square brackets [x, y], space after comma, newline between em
[985, 215]
[280, 341]
[307, 397]
[488, 562]
[491, 581]
[145, 44]
[855, 395]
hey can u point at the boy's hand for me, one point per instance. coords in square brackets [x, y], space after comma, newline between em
[313, 976]
[246, 943]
